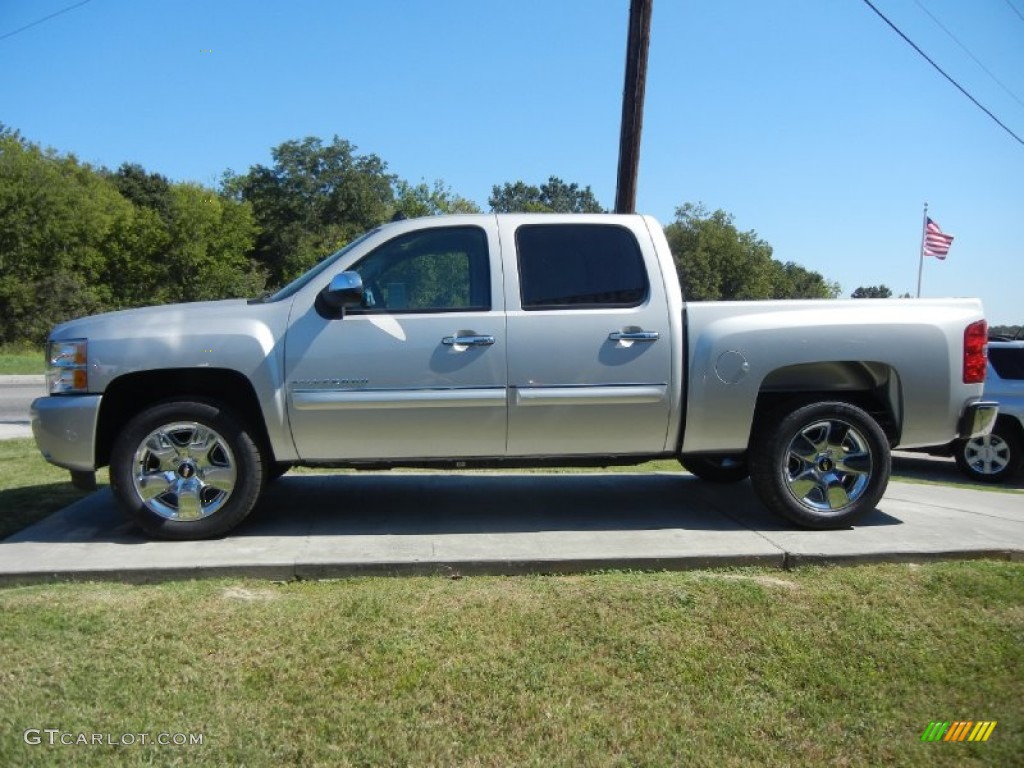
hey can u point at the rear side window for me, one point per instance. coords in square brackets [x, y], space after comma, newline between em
[579, 266]
[1008, 362]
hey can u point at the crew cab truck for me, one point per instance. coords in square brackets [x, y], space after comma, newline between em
[508, 341]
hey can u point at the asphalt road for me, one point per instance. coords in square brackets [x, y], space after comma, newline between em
[16, 395]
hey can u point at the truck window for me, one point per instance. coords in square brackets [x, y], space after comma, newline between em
[444, 269]
[579, 266]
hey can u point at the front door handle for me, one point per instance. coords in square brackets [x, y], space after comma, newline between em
[647, 336]
[468, 341]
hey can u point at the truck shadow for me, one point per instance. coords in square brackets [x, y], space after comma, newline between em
[407, 504]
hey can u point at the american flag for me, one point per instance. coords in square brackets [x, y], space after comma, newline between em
[935, 242]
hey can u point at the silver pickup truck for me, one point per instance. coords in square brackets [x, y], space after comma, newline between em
[505, 341]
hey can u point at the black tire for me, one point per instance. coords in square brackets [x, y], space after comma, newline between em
[716, 469]
[198, 465]
[822, 465]
[993, 458]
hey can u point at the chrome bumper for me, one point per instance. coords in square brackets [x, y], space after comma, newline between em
[65, 430]
[978, 419]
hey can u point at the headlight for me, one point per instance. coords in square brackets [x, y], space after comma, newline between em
[67, 368]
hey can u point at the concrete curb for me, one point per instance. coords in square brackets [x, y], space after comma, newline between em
[330, 571]
[15, 430]
[469, 568]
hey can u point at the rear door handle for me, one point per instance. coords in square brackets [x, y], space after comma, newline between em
[467, 341]
[634, 336]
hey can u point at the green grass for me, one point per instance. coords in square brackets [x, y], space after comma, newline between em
[30, 488]
[15, 359]
[736, 668]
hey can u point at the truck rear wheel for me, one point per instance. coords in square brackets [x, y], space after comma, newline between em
[822, 465]
[186, 470]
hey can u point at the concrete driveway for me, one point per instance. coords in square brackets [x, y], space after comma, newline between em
[321, 526]
[317, 526]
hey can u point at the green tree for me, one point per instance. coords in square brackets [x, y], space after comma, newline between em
[429, 200]
[209, 239]
[72, 244]
[554, 196]
[716, 261]
[872, 292]
[143, 189]
[314, 198]
[793, 281]
[135, 268]
[1007, 331]
[182, 242]
[57, 219]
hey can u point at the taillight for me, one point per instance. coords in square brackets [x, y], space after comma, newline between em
[975, 359]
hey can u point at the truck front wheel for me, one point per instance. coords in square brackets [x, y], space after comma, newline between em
[822, 465]
[186, 470]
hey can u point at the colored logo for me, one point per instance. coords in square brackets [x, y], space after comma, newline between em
[959, 730]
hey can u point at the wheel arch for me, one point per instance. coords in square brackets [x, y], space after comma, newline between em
[128, 395]
[871, 386]
[1009, 423]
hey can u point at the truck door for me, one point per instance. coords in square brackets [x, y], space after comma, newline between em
[419, 370]
[589, 342]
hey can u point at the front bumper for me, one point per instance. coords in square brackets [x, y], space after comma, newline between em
[978, 419]
[65, 430]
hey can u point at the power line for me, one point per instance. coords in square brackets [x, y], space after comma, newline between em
[45, 18]
[1015, 10]
[968, 52]
[939, 69]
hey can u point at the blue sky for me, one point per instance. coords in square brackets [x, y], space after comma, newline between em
[810, 121]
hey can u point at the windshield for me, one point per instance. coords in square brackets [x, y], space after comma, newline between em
[304, 279]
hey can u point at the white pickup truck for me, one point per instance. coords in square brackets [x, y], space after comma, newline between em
[505, 341]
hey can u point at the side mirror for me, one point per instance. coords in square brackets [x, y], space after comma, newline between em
[345, 290]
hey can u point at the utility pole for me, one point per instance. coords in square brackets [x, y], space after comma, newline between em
[637, 44]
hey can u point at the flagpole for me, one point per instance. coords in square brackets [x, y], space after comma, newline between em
[920, 253]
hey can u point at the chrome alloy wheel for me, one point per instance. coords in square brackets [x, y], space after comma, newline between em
[828, 467]
[184, 471]
[988, 455]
